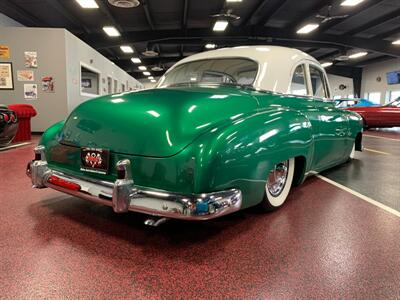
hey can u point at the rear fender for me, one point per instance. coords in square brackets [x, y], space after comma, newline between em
[241, 153]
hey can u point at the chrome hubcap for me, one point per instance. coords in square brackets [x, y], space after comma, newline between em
[277, 178]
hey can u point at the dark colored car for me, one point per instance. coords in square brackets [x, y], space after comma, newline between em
[380, 116]
[8, 125]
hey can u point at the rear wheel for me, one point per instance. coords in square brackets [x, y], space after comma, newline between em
[277, 187]
[353, 152]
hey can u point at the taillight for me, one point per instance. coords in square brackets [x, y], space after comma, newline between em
[63, 183]
[13, 118]
[6, 117]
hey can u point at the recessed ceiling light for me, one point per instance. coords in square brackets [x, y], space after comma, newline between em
[111, 31]
[351, 2]
[327, 64]
[358, 54]
[146, 73]
[220, 25]
[142, 68]
[87, 3]
[150, 77]
[136, 60]
[307, 28]
[126, 49]
[210, 46]
[396, 42]
[153, 81]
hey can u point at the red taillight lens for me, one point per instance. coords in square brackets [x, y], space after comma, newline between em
[63, 183]
[6, 117]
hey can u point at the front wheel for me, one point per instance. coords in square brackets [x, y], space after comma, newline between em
[277, 187]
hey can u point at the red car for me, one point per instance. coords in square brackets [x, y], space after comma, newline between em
[380, 116]
[8, 125]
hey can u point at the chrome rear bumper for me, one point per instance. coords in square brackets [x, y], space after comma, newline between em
[123, 196]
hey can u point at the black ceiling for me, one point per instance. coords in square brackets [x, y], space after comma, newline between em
[178, 28]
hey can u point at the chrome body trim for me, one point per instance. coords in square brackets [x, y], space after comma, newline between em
[123, 196]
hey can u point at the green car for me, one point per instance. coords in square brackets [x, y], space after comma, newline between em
[222, 131]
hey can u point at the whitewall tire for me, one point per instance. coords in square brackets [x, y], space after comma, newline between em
[353, 152]
[278, 184]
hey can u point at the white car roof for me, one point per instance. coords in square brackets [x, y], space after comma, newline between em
[276, 64]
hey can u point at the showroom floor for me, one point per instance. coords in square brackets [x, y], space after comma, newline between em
[326, 242]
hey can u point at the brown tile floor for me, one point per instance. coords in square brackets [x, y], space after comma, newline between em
[324, 243]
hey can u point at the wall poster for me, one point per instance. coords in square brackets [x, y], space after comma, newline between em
[30, 91]
[48, 84]
[6, 76]
[4, 51]
[25, 75]
[31, 59]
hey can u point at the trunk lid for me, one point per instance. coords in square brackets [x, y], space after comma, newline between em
[157, 122]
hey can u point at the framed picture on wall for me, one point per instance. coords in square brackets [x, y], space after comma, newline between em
[6, 76]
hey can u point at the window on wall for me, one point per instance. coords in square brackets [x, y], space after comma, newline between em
[123, 87]
[318, 83]
[90, 81]
[394, 95]
[298, 85]
[374, 97]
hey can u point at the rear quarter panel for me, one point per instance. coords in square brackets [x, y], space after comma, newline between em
[240, 154]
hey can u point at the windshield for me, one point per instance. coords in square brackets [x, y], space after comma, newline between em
[395, 103]
[235, 71]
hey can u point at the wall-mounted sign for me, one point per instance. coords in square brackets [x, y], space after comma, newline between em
[6, 76]
[31, 59]
[30, 91]
[48, 84]
[25, 75]
[4, 51]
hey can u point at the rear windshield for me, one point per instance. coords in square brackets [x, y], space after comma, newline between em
[237, 71]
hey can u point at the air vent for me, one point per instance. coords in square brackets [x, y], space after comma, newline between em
[150, 53]
[156, 68]
[124, 3]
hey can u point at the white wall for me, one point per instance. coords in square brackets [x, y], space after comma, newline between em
[50, 47]
[370, 84]
[79, 53]
[6, 21]
[147, 84]
[60, 55]
[335, 81]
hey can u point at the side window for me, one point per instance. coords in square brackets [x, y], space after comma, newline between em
[318, 83]
[298, 85]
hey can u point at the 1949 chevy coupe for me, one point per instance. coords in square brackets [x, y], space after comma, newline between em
[222, 131]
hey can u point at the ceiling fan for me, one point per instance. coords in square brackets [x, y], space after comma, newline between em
[329, 17]
[227, 15]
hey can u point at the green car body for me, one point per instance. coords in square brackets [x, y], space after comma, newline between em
[199, 139]
[209, 140]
